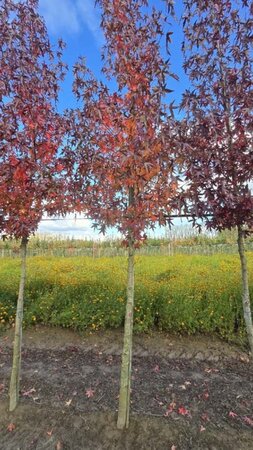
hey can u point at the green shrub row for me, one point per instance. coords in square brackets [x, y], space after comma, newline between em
[185, 294]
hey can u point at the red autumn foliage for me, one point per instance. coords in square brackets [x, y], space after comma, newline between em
[31, 130]
[217, 131]
[127, 148]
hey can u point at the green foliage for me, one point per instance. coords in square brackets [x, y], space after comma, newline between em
[184, 294]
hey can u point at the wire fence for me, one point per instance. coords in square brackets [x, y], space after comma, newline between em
[103, 252]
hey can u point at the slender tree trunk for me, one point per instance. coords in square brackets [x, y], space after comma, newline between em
[245, 294]
[16, 362]
[126, 364]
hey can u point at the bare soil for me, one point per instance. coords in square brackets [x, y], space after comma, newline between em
[187, 393]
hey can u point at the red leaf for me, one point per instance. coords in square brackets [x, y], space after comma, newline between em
[232, 414]
[29, 392]
[170, 408]
[11, 427]
[89, 393]
[167, 412]
[205, 417]
[205, 395]
[183, 411]
[248, 421]
[156, 369]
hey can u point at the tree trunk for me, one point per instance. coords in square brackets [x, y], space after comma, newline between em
[126, 364]
[16, 362]
[245, 293]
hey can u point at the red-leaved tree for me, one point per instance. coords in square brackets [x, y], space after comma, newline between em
[130, 181]
[217, 132]
[31, 133]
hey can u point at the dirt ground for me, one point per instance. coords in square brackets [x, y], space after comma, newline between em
[187, 393]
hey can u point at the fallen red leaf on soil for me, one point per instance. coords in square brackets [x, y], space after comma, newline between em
[232, 414]
[183, 411]
[58, 446]
[29, 392]
[11, 427]
[173, 447]
[205, 395]
[1, 387]
[202, 428]
[248, 420]
[89, 393]
[156, 369]
[49, 433]
[170, 409]
[205, 417]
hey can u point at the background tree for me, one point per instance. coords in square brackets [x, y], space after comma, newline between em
[216, 149]
[31, 133]
[130, 181]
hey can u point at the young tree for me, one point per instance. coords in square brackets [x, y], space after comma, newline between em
[130, 179]
[31, 133]
[217, 132]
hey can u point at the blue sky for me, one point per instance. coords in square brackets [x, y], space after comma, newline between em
[77, 22]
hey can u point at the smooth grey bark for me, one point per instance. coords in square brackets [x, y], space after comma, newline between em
[16, 361]
[126, 364]
[245, 292]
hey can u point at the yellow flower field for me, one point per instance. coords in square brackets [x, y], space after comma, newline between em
[186, 294]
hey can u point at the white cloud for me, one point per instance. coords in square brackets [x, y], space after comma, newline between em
[71, 227]
[69, 16]
[91, 18]
[60, 16]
